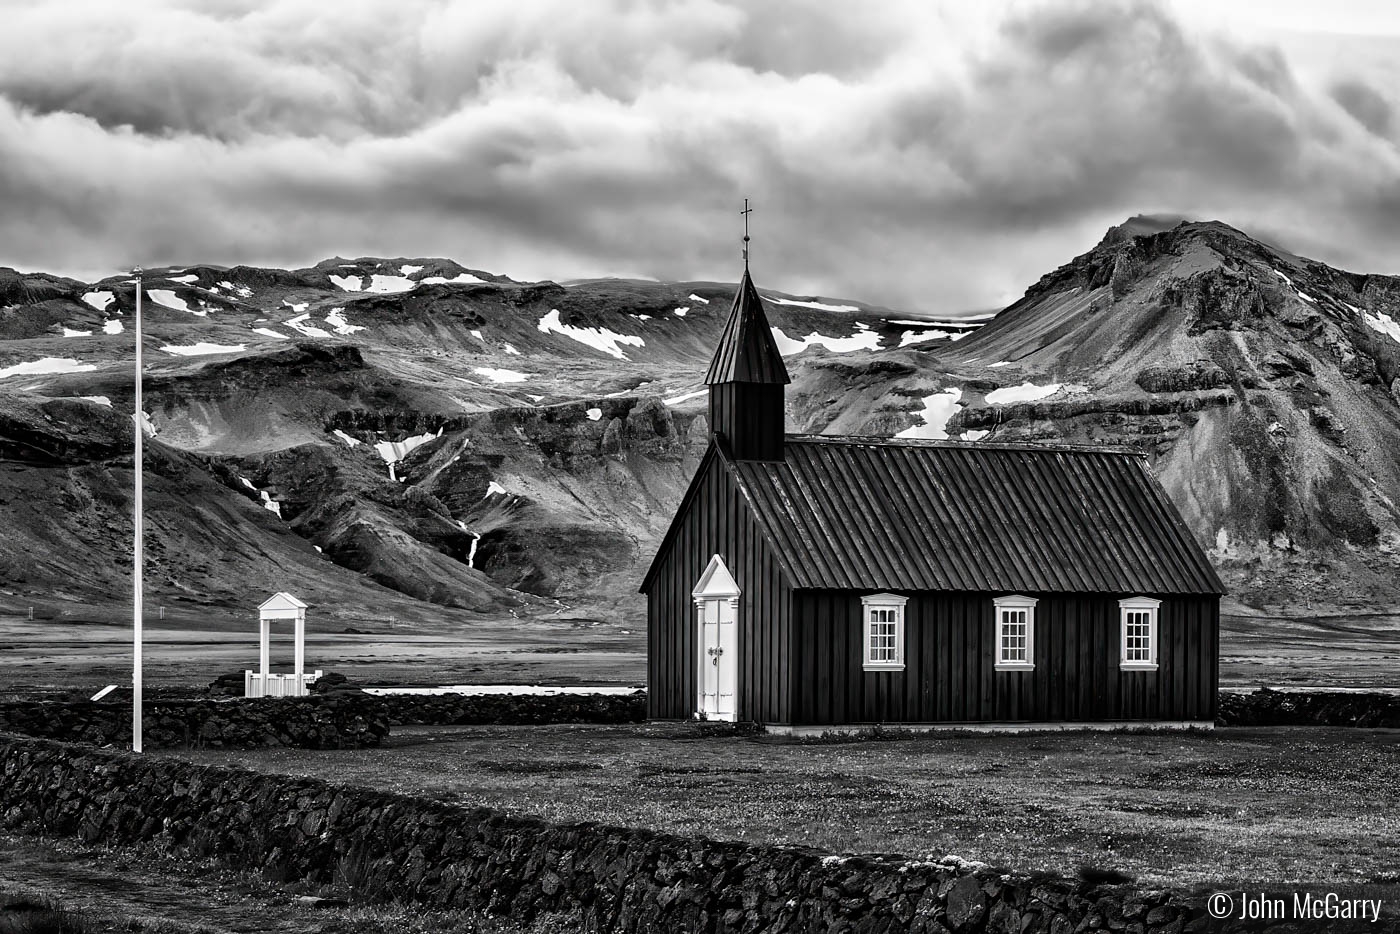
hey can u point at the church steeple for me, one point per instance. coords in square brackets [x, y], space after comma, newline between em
[746, 380]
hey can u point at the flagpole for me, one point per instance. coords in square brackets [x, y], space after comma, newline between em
[138, 567]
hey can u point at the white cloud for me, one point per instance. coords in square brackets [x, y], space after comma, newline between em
[928, 156]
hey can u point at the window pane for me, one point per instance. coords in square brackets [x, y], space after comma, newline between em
[1137, 636]
[1014, 636]
[884, 631]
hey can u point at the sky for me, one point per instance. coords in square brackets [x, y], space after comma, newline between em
[929, 157]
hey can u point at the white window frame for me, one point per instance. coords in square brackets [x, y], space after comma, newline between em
[1014, 603]
[1138, 605]
[883, 601]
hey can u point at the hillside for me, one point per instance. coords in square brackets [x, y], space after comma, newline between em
[441, 443]
[405, 438]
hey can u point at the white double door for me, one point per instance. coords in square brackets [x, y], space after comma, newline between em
[719, 657]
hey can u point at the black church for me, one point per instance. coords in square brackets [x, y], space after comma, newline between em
[811, 583]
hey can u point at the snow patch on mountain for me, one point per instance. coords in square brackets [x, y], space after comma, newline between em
[918, 337]
[695, 298]
[390, 284]
[99, 300]
[677, 400]
[464, 278]
[594, 414]
[242, 291]
[861, 340]
[69, 332]
[820, 306]
[1026, 392]
[296, 306]
[510, 349]
[169, 299]
[497, 375]
[268, 332]
[1382, 323]
[336, 319]
[46, 365]
[99, 400]
[597, 338]
[408, 270]
[310, 330]
[190, 279]
[938, 409]
[350, 440]
[201, 349]
[494, 489]
[395, 451]
[681, 312]
[112, 326]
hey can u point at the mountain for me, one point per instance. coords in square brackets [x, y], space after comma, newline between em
[389, 437]
[414, 438]
[1264, 386]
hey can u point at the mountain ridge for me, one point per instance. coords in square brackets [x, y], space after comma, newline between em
[479, 446]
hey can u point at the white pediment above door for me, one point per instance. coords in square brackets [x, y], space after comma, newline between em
[716, 581]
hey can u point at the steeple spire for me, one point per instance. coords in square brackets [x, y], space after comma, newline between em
[747, 352]
[746, 212]
[747, 376]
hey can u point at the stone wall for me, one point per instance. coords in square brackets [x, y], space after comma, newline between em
[331, 720]
[459, 709]
[380, 846]
[1313, 708]
[328, 722]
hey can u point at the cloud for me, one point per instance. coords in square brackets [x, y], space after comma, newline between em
[925, 157]
[1366, 105]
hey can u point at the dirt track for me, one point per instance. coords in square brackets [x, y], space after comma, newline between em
[112, 888]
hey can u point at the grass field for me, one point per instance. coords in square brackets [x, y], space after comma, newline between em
[1239, 805]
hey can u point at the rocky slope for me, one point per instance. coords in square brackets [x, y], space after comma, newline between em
[445, 443]
[405, 435]
[1264, 386]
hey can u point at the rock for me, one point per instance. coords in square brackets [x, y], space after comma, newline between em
[966, 904]
[316, 901]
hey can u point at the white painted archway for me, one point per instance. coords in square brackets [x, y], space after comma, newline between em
[262, 683]
[717, 642]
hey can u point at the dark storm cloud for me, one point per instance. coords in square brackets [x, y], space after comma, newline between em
[1366, 104]
[926, 157]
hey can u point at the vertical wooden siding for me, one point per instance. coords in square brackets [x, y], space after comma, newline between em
[750, 416]
[949, 673]
[719, 522]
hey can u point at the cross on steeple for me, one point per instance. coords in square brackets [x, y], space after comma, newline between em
[746, 212]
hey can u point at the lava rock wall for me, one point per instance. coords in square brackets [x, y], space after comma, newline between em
[326, 722]
[1314, 708]
[379, 846]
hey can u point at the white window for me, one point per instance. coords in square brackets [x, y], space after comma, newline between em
[1015, 632]
[884, 631]
[1138, 639]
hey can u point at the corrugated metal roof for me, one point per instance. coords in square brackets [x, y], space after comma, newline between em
[854, 513]
[747, 352]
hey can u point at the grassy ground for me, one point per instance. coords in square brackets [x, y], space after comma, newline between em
[1239, 805]
[94, 890]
